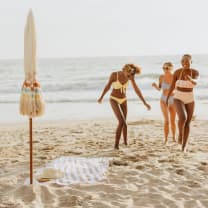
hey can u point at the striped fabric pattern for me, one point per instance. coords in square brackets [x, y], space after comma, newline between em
[79, 169]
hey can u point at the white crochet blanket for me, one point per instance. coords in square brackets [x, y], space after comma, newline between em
[77, 169]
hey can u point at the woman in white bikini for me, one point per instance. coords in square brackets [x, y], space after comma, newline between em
[184, 80]
[168, 111]
[118, 99]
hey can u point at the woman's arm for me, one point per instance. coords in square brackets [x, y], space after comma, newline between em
[193, 79]
[107, 87]
[172, 86]
[157, 87]
[139, 93]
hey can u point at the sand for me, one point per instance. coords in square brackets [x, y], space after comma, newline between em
[145, 174]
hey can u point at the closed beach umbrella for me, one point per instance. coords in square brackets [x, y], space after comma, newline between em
[31, 101]
[30, 48]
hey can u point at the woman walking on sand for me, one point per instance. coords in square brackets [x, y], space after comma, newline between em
[168, 111]
[119, 80]
[184, 80]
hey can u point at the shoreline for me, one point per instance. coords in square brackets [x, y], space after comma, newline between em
[89, 111]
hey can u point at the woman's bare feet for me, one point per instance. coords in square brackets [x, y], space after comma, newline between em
[116, 147]
[179, 140]
[183, 149]
[174, 140]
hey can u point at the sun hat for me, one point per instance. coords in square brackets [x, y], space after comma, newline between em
[50, 173]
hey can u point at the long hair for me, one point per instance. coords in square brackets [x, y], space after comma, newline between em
[132, 68]
[169, 65]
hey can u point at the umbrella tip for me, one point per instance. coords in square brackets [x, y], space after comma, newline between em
[30, 11]
[30, 14]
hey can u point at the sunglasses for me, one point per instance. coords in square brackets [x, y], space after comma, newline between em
[165, 68]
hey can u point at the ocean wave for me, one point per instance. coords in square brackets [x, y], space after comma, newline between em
[82, 87]
[94, 100]
[74, 80]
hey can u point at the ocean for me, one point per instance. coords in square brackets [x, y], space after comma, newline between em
[71, 86]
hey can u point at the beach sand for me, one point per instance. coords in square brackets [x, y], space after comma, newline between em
[144, 174]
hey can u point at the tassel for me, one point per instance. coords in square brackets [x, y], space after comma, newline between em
[31, 100]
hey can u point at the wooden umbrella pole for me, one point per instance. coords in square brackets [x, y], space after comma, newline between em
[31, 152]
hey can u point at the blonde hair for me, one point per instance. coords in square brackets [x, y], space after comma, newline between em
[169, 65]
[132, 68]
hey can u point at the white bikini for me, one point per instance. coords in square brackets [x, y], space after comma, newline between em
[185, 97]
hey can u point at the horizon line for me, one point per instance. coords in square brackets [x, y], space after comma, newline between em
[106, 56]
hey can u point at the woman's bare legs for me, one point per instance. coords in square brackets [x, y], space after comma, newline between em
[172, 112]
[124, 110]
[180, 110]
[121, 121]
[189, 110]
[164, 109]
[184, 121]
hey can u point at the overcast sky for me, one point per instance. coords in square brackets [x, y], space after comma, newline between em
[74, 28]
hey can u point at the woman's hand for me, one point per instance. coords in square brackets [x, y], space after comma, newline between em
[100, 100]
[147, 106]
[154, 85]
[189, 78]
[166, 102]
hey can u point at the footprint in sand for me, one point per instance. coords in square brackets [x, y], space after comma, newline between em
[25, 193]
[101, 204]
[204, 163]
[132, 158]
[180, 171]
[118, 163]
[46, 196]
[47, 148]
[140, 167]
[73, 152]
[203, 168]
[166, 160]
[42, 157]
[14, 161]
[194, 184]
[4, 188]
[6, 203]
[70, 201]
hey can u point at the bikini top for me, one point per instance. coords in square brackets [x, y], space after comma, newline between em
[184, 83]
[165, 85]
[118, 85]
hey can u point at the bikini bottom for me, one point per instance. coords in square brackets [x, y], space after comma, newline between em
[170, 99]
[118, 100]
[185, 97]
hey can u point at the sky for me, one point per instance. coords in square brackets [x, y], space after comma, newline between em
[88, 28]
